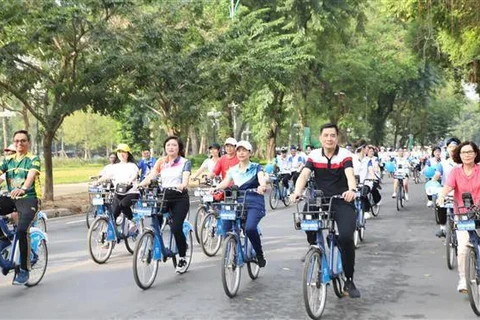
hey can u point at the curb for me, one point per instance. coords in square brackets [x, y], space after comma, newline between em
[59, 212]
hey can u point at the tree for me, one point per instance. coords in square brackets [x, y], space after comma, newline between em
[57, 57]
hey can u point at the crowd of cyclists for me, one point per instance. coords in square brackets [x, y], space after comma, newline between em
[334, 169]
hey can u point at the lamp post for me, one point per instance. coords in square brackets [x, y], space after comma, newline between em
[214, 115]
[297, 126]
[5, 114]
[246, 132]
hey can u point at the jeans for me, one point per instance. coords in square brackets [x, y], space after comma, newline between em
[254, 215]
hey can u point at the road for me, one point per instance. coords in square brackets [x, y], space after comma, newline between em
[400, 271]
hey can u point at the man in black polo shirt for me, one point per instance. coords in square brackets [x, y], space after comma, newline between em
[333, 174]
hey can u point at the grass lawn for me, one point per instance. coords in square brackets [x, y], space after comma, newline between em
[75, 174]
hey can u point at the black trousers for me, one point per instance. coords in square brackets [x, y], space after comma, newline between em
[178, 204]
[124, 204]
[346, 220]
[285, 177]
[26, 208]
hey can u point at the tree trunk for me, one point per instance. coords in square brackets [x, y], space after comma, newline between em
[385, 103]
[26, 123]
[272, 137]
[194, 140]
[47, 156]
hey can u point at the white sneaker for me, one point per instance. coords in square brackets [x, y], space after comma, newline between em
[406, 196]
[181, 265]
[368, 215]
[132, 227]
[462, 285]
[394, 195]
[429, 204]
[379, 203]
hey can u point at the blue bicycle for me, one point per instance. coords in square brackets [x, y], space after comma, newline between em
[104, 233]
[157, 243]
[279, 192]
[101, 197]
[360, 224]
[469, 220]
[237, 249]
[451, 243]
[10, 253]
[321, 265]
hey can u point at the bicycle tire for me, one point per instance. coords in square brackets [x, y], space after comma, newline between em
[189, 251]
[130, 240]
[450, 249]
[273, 197]
[361, 234]
[90, 216]
[253, 270]
[356, 239]
[40, 266]
[104, 244]
[143, 254]
[230, 261]
[210, 241]
[201, 214]
[472, 281]
[42, 224]
[399, 196]
[314, 290]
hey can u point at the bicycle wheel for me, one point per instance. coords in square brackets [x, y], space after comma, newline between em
[399, 196]
[338, 284]
[189, 252]
[99, 248]
[450, 249]
[286, 198]
[274, 197]
[356, 237]
[374, 209]
[132, 235]
[472, 281]
[201, 214]
[230, 269]
[90, 216]
[39, 261]
[209, 239]
[361, 234]
[42, 224]
[253, 270]
[314, 290]
[145, 268]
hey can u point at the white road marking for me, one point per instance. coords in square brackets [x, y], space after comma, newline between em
[77, 221]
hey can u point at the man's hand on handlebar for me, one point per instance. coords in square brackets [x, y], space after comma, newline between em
[349, 195]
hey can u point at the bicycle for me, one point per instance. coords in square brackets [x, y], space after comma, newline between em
[321, 266]
[40, 220]
[470, 221]
[104, 234]
[279, 192]
[451, 243]
[400, 189]
[360, 224]
[205, 207]
[237, 249]
[374, 207]
[101, 197]
[157, 242]
[211, 233]
[10, 253]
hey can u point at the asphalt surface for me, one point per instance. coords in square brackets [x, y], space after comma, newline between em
[400, 270]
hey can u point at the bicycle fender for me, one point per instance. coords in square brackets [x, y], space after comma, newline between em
[187, 227]
[41, 214]
[37, 235]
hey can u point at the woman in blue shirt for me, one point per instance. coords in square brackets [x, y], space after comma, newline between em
[248, 175]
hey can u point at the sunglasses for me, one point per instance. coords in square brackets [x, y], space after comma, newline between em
[20, 141]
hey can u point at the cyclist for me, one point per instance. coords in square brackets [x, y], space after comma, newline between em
[373, 172]
[22, 175]
[146, 164]
[434, 162]
[442, 173]
[463, 178]
[226, 161]
[333, 174]
[124, 178]
[174, 172]
[112, 159]
[284, 167]
[401, 166]
[297, 162]
[210, 162]
[248, 175]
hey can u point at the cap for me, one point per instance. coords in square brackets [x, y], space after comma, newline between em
[123, 147]
[245, 144]
[283, 150]
[231, 141]
[10, 148]
[215, 146]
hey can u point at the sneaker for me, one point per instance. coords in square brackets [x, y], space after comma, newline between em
[351, 290]
[406, 196]
[368, 215]
[462, 285]
[181, 266]
[440, 233]
[394, 195]
[262, 262]
[379, 203]
[132, 227]
[429, 204]
[21, 277]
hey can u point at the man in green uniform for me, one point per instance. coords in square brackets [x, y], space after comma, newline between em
[22, 176]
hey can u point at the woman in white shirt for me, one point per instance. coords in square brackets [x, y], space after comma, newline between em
[210, 162]
[124, 176]
[174, 172]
